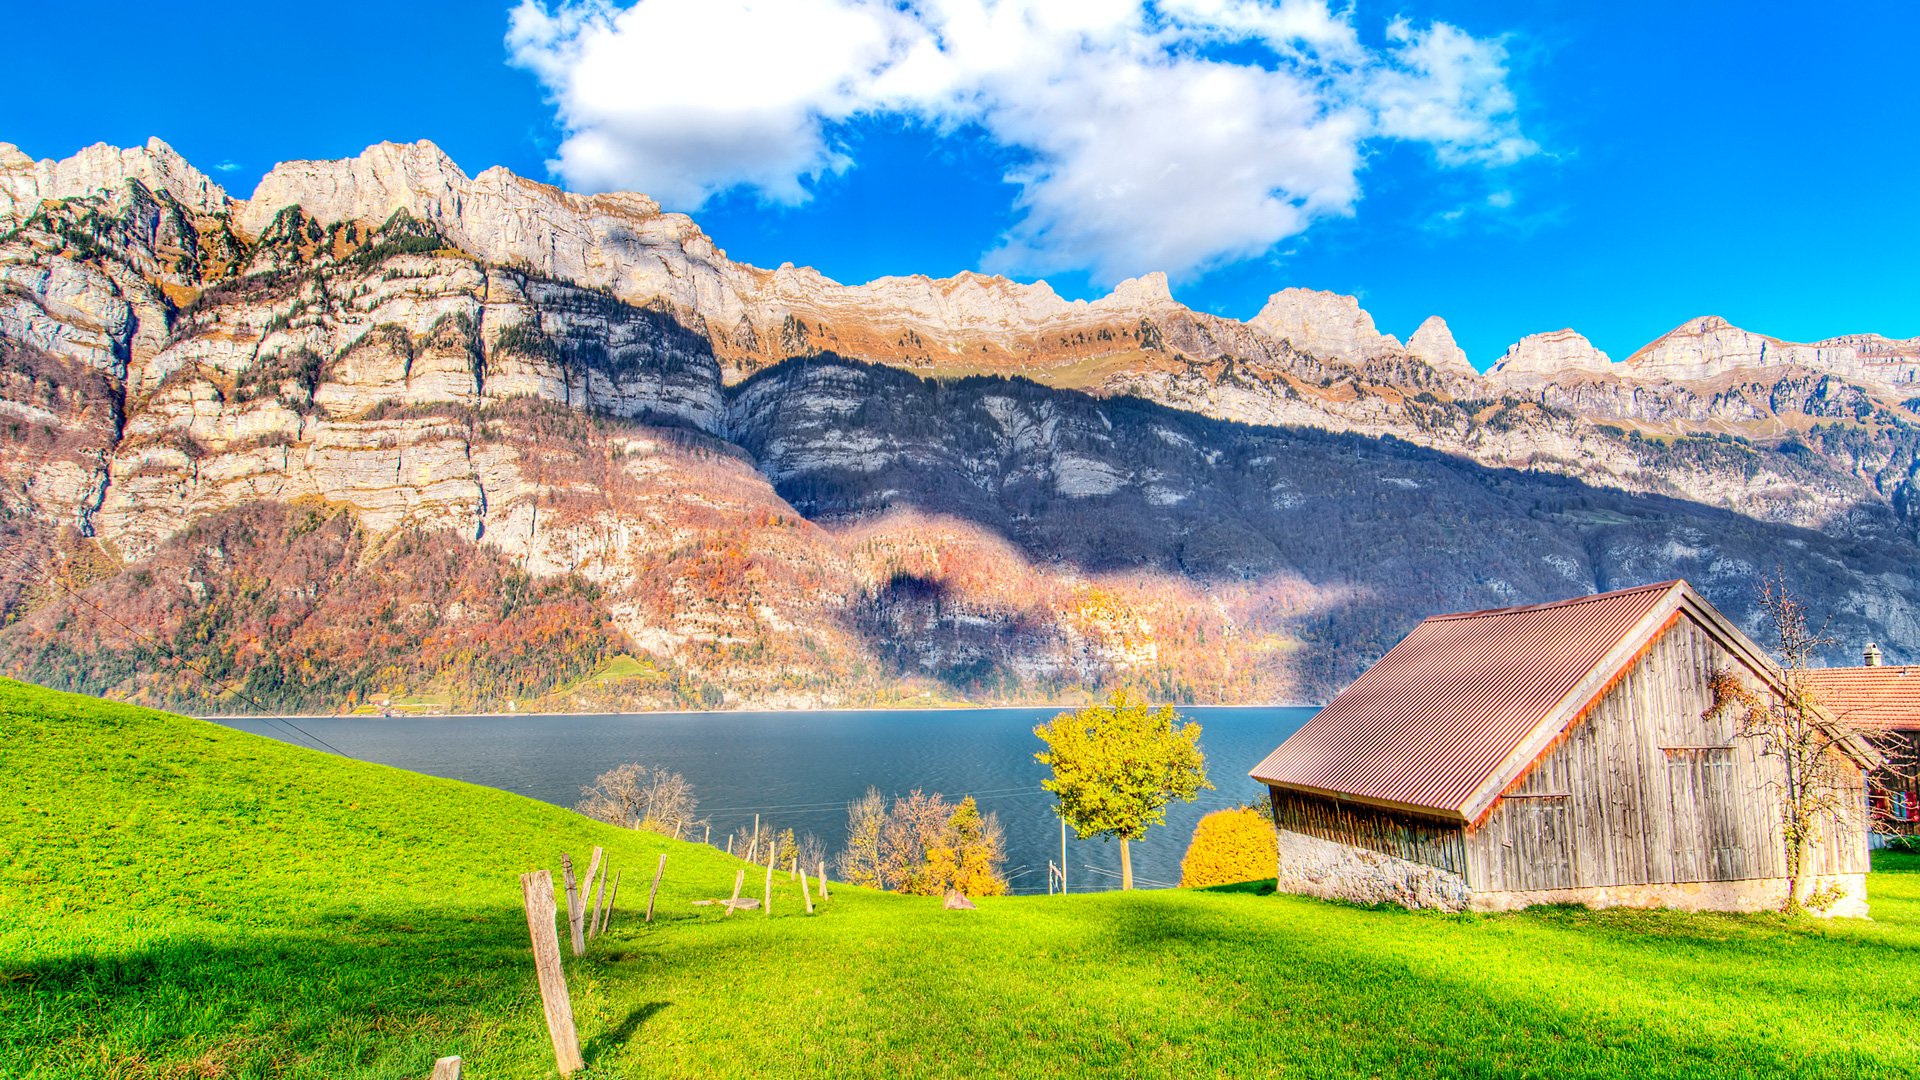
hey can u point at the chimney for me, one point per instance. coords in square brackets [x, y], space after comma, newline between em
[1872, 655]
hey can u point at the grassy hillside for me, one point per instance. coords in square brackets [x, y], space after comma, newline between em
[180, 900]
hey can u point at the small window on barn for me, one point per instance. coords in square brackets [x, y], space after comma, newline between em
[1703, 754]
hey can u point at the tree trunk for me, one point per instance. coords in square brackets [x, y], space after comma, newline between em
[1126, 865]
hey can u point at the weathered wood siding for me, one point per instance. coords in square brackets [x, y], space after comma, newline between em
[1645, 790]
[1403, 836]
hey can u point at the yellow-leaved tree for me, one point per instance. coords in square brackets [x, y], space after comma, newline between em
[1117, 765]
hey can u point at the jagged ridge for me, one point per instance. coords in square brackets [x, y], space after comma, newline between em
[570, 381]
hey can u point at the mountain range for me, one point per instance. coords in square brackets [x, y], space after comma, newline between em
[387, 432]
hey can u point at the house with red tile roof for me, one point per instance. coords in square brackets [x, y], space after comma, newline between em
[1555, 753]
[1883, 703]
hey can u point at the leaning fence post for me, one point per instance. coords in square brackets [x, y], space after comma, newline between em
[536, 891]
[729, 845]
[593, 873]
[573, 904]
[768, 899]
[823, 879]
[606, 915]
[600, 894]
[655, 891]
[739, 879]
[804, 894]
[753, 852]
[447, 1068]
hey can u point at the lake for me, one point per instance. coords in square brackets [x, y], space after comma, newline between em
[800, 769]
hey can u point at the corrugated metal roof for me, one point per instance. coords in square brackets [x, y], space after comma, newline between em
[1449, 715]
[1871, 698]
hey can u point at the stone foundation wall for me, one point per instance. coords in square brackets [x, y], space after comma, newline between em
[1311, 866]
[1314, 867]
[1753, 894]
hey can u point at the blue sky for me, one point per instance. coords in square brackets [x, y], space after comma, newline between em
[1616, 168]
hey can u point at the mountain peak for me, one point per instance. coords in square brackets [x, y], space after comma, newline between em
[1434, 343]
[418, 177]
[24, 182]
[1543, 356]
[1330, 325]
[1145, 289]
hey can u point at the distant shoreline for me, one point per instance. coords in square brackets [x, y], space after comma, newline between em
[690, 712]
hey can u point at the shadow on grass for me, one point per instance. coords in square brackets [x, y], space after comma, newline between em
[1256, 888]
[1443, 996]
[615, 1037]
[332, 992]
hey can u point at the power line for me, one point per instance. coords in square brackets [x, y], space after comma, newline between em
[990, 793]
[170, 654]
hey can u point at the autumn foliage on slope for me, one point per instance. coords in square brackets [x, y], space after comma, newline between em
[1229, 846]
[294, 607]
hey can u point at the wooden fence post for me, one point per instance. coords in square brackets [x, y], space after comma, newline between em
[573, 905]
[753, 852]
[536, 891]
[655, 891]
[729, 845]
[599, 895]
[447, 1068]
[606, 915]
[708, 838]
[739, 879]
[768, 899]
[804, 894]
[823, 879]
[593, 872]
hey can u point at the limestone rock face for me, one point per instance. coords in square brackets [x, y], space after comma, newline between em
[1710, 347]
[1538, 357]
[1434, 343]
[24, 182]
[1325, 324]
[416, 177]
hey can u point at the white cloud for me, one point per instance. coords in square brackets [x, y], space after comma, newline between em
[1173, 136]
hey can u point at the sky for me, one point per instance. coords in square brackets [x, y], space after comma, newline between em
[1514, 167]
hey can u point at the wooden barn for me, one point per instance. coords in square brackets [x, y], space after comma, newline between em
[1559, 753]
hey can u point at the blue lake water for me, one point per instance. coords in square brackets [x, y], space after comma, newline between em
[800, 769]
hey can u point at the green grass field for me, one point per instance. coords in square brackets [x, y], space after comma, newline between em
[182, 900]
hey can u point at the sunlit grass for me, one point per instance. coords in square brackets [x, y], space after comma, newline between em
[181, 899]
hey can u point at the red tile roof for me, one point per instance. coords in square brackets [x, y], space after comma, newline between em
[1871, 698]
[1455, 713]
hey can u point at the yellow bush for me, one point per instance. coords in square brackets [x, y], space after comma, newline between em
[1229, 846]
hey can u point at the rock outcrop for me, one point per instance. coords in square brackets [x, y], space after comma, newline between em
[1540, 357]
[1325, 324]
[1707, 348]
[25, 183]
[1433, 342]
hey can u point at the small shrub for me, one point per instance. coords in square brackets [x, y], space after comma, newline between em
[1228, 847]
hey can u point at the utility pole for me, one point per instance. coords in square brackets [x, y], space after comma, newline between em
[1063, 856]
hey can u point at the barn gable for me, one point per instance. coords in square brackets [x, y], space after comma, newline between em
[1645, 789]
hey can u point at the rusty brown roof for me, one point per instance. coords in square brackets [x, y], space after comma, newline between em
[1455, 712]
[1872, 698]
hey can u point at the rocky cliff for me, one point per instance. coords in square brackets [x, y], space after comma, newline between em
[247, 442]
